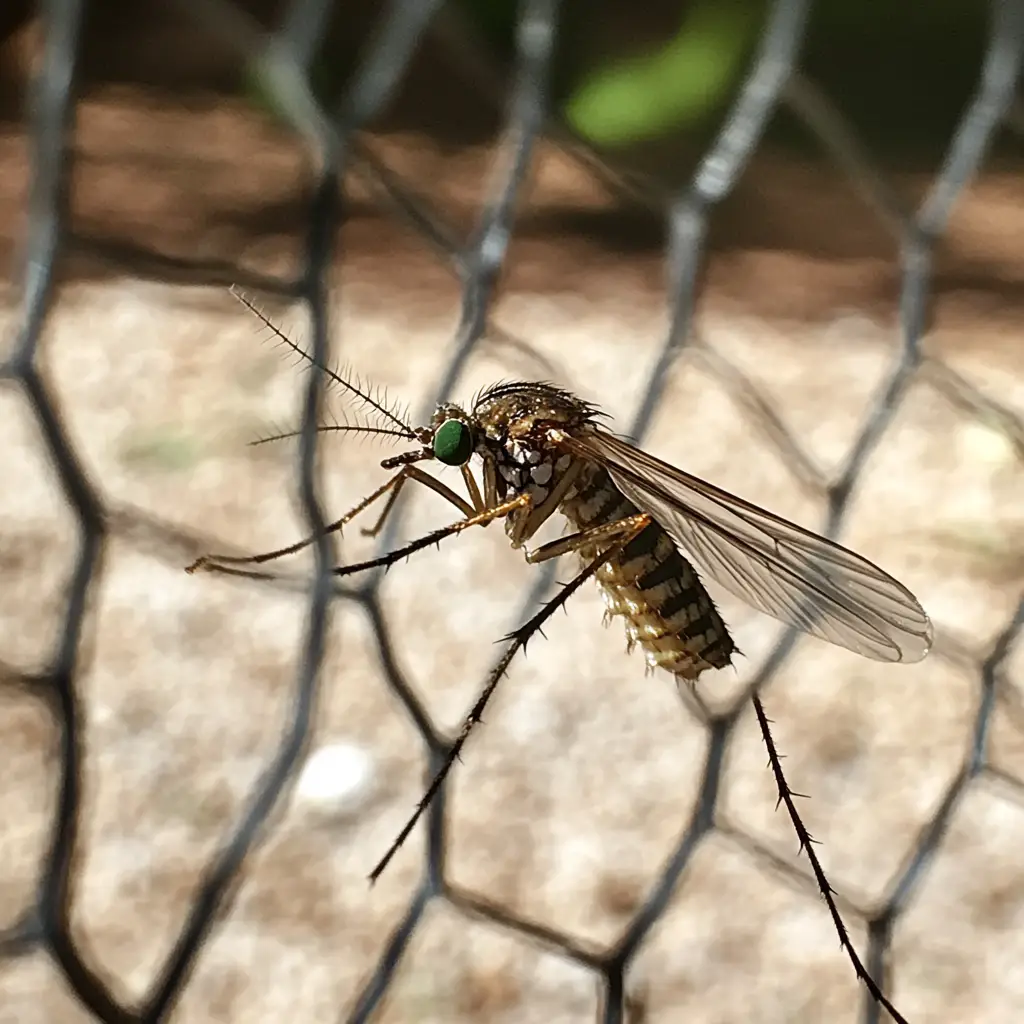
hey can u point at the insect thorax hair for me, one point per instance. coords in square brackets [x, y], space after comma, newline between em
[511, 424]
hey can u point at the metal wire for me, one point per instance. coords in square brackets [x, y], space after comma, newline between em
[283, 60]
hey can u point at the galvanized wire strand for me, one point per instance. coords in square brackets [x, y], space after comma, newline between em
[52, 118]
[716, 175]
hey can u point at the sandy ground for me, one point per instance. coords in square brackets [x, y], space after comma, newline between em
[574, 792]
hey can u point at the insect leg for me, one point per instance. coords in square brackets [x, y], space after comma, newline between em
[474, 490]
[417, 474]
[807, 843]
[529, 525]
[214, 563]
[575, 541]
[436, 536]
[629, 528]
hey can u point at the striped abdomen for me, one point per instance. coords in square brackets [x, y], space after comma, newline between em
[667, 610]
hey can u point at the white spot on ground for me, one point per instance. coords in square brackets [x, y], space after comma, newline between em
[979, 443]
[336, 781]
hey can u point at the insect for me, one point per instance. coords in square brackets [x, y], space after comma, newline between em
[638, 526]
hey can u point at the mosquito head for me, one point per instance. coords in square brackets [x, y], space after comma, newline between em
[450, 438]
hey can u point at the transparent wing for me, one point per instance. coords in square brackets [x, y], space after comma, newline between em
[776, 566]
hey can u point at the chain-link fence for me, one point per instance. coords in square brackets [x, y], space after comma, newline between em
[280, 62]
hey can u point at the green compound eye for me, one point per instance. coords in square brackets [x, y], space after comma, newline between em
[453, 443]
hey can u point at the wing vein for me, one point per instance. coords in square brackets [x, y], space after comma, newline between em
[781, 569]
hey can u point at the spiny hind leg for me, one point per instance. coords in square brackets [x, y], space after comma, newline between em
[788, 796]
[631, 525]
[436, 536]
[518, 639]
[219, 563]
[594, 535]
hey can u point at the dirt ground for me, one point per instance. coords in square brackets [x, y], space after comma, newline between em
[575, 791]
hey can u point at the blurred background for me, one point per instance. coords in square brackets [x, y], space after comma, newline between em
[778, 242]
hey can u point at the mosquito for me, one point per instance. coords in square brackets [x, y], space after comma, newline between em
[637, 525]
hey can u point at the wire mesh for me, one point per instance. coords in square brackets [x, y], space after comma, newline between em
[283, 59]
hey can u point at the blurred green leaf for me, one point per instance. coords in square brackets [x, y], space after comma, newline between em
[676, 87]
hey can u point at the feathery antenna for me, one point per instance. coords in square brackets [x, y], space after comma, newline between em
[353, 387]
[333, 428]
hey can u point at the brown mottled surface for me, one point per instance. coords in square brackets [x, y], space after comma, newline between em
[573, 793]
